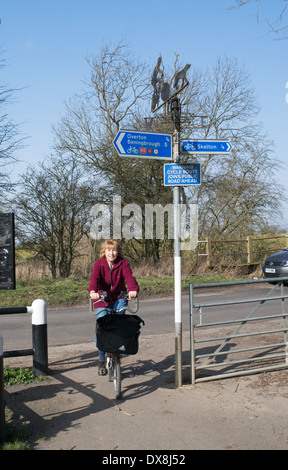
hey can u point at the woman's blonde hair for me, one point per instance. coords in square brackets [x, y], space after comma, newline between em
[111, 244]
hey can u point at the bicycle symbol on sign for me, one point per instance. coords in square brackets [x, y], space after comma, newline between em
[189, 146]
[132, 150]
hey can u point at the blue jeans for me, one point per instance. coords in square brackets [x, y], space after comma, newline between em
[118, 305]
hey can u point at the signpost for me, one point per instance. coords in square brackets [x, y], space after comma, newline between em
[185, 174]
[143, 144]
[206, 146]
[151, 145]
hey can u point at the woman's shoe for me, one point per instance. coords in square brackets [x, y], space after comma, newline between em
[101, 368]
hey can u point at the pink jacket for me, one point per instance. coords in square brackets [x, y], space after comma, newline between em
[112, 281]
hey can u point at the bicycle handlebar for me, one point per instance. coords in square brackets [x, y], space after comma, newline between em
[123, 295]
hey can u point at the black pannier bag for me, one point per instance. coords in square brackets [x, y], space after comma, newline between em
[118, 333]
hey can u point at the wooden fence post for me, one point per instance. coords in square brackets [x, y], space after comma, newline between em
[249, 250]
[208, 250]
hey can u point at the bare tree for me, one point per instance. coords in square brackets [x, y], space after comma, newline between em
[274, 24]
[10, 139]
[115, 94]
[237, 198]
[53, 209]
[239, 190]
[116, 85]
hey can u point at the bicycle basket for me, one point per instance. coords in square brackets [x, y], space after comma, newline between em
[118, 333]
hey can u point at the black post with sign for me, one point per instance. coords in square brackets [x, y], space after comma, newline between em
[7, 252]
[7, 282]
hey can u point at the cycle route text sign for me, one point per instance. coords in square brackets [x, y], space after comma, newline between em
[143, 144]
[206, 146]
[185, 174]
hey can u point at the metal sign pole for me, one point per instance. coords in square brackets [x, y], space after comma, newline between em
[163, 88]
[177, 289]
[175, 114]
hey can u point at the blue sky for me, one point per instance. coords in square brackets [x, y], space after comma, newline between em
[45, 44]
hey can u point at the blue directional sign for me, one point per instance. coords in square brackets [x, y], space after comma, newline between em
[185, 174]
[143, 144]
[206, 146]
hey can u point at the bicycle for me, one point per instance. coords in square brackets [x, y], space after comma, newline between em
[113, 360]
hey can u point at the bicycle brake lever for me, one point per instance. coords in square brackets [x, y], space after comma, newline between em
[103, 296]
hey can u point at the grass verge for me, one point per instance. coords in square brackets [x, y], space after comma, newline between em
[74, 291]
[16, 437]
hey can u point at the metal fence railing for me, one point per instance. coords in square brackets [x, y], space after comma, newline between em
[254, 343]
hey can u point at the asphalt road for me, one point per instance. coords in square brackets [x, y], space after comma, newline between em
[75, 325]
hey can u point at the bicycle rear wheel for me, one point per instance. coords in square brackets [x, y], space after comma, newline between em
[117, 376]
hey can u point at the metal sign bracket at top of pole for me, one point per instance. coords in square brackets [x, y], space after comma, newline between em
[170, 97]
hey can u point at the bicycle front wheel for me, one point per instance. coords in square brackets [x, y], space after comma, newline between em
[117, 376]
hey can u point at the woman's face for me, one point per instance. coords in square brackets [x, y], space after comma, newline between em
[111, 255]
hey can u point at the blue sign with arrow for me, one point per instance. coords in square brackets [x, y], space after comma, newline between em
[206, 146]
[143, 144]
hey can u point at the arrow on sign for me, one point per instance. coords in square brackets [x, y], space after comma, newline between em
[206, 146]
[118, 142]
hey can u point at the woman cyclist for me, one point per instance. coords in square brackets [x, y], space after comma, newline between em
[111, 273]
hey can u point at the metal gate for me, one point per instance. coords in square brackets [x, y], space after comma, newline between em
[245, 345]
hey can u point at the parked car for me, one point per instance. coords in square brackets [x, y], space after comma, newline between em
[276, 265]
